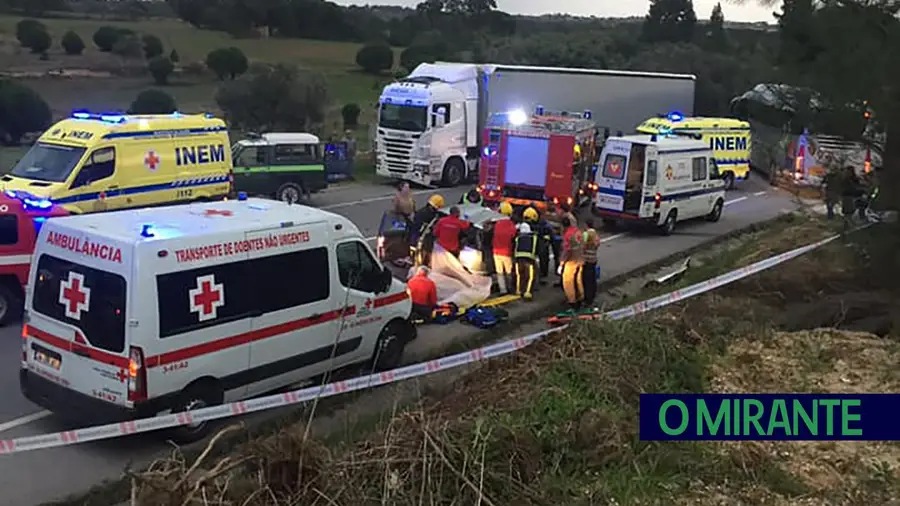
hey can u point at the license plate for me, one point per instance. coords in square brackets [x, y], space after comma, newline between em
[610, 202]
[46, 357]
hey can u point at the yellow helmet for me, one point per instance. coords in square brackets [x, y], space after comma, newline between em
[506, 209]
[530, 214]
[436, 201]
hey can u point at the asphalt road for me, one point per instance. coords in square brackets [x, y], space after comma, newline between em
[42, 476]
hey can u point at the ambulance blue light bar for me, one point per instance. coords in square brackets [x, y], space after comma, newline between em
[675, 116]
[146, 231]
[104, 117]
[30, 200]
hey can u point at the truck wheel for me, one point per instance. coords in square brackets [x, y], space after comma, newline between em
[454, 171]
[291, 193]
[668, 226]
[716, 212]
[10, 304]
[389, 348]
[199, 395]
[728, 179]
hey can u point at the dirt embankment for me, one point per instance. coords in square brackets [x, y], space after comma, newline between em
[557, 422]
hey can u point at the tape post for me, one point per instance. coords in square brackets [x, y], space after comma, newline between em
[114, 430]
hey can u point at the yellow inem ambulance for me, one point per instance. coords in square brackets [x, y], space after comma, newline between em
[728, 138]
[99, 162]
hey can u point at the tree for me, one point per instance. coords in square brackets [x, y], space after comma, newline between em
[160, 68]
[71, 43]
[153, 102]
[152, 46]
[715, 37]
[274, 98]
[350, 115]
[106, 37]
[227, 62]
[411, 57]
[375, 58]
[670, 21]
[40, 42]
[798, 33]
[128, 46]
[27, 30]
[22, 111]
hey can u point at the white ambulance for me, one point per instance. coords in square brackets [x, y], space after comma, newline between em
[142, 312]
[658, 181]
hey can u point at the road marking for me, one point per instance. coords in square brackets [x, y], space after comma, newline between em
[610, 238]
[735, 201]
[24, 420]
[371, 199]
[370, 239]
[759, 194]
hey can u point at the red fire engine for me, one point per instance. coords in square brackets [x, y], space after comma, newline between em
[20, 222]
[538, 160]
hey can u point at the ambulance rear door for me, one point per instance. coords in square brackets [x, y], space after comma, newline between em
[76, 332]
[611, 178]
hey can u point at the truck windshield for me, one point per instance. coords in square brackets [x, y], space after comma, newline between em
[91, 300]
[48, 162]
[403, 117]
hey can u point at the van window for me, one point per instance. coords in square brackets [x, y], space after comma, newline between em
[435, 112]
[9, 230]
[713, 169]
[250, 156]
[698, 169]
[357, 269]
[651, 173]
[614, 167]
[100, 164]
[48, 162]
[295, 153]
[209, 296]
[89, 299]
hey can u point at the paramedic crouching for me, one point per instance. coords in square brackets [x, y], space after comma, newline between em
[423, 293]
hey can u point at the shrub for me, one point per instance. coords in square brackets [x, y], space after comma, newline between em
[22, 110]
[412, 56]
[106, 37]
[72, 43]
[161, 68]
[227, 62]
[350, 114]
[174, 56]
[27, 29]
[40, 42]
[128, 46]
[153, 102]
[375, 58]
[153, 47]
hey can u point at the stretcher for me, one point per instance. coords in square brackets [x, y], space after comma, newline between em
[569, 316]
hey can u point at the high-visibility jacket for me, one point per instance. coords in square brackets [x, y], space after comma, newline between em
[572, 239]
[590, 245]
[526, 247]
[471, 193]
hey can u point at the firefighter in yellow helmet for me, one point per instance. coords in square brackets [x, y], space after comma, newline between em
[422, 230]
[526, 246]
[544, 233]
[503, 232]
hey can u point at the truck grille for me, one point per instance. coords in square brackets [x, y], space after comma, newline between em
[398, 151]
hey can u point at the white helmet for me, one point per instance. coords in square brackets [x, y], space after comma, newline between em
[524, 228]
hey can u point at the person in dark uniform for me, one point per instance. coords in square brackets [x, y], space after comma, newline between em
[422, 238]
[544, 233]
[525, 247]
[472, 196]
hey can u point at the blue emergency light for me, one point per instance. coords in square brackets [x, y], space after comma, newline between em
[146, 231]
[588, 114]
[539, 110]
[29, 200]
[675, 116]
[105, 117]
[242, 195]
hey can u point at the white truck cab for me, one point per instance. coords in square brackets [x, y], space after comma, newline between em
[143, 312]
[657, 180]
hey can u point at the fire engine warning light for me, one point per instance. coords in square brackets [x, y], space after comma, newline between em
[517, 117]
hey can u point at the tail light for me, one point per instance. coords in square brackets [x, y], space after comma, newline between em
[231, 182]
[379, 247]
[24, 344]
[657, 200]
[137, 375]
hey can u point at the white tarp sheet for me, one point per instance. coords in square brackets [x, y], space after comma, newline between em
[454, 283]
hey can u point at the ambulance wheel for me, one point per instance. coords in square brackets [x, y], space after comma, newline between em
[716, 212]
[389, 348]
[10, 304]
[454, 171]
[668, 226]
[291, 193]
[728, 179]
[198, 395]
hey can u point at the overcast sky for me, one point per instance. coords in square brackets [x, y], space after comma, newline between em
[606, 8]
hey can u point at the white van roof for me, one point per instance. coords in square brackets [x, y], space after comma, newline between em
[276, 138]
[665, 143]
[197, 220]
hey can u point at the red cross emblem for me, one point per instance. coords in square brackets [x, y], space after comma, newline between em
[368, 303]
[207, 298]
[122, 375]
[615, 169]
[74, 296]
[151, 160]
[218, 212]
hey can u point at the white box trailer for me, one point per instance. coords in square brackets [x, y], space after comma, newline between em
[430, 123]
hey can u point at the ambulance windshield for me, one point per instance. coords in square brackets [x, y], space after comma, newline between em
[48, 162]
[89, 299]
[403, 117]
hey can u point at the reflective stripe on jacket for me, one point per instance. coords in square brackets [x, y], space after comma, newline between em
[590, 246]
[526, 246]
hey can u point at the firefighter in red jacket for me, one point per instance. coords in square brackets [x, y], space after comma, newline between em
[423, 293]
[448, 230]
[503, 236]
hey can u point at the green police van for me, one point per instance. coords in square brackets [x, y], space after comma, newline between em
[287, 166]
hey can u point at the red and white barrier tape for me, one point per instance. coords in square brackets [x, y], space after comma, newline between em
[113, 430]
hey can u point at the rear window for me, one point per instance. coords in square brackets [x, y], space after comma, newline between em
[614, 167]
[89, 299]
